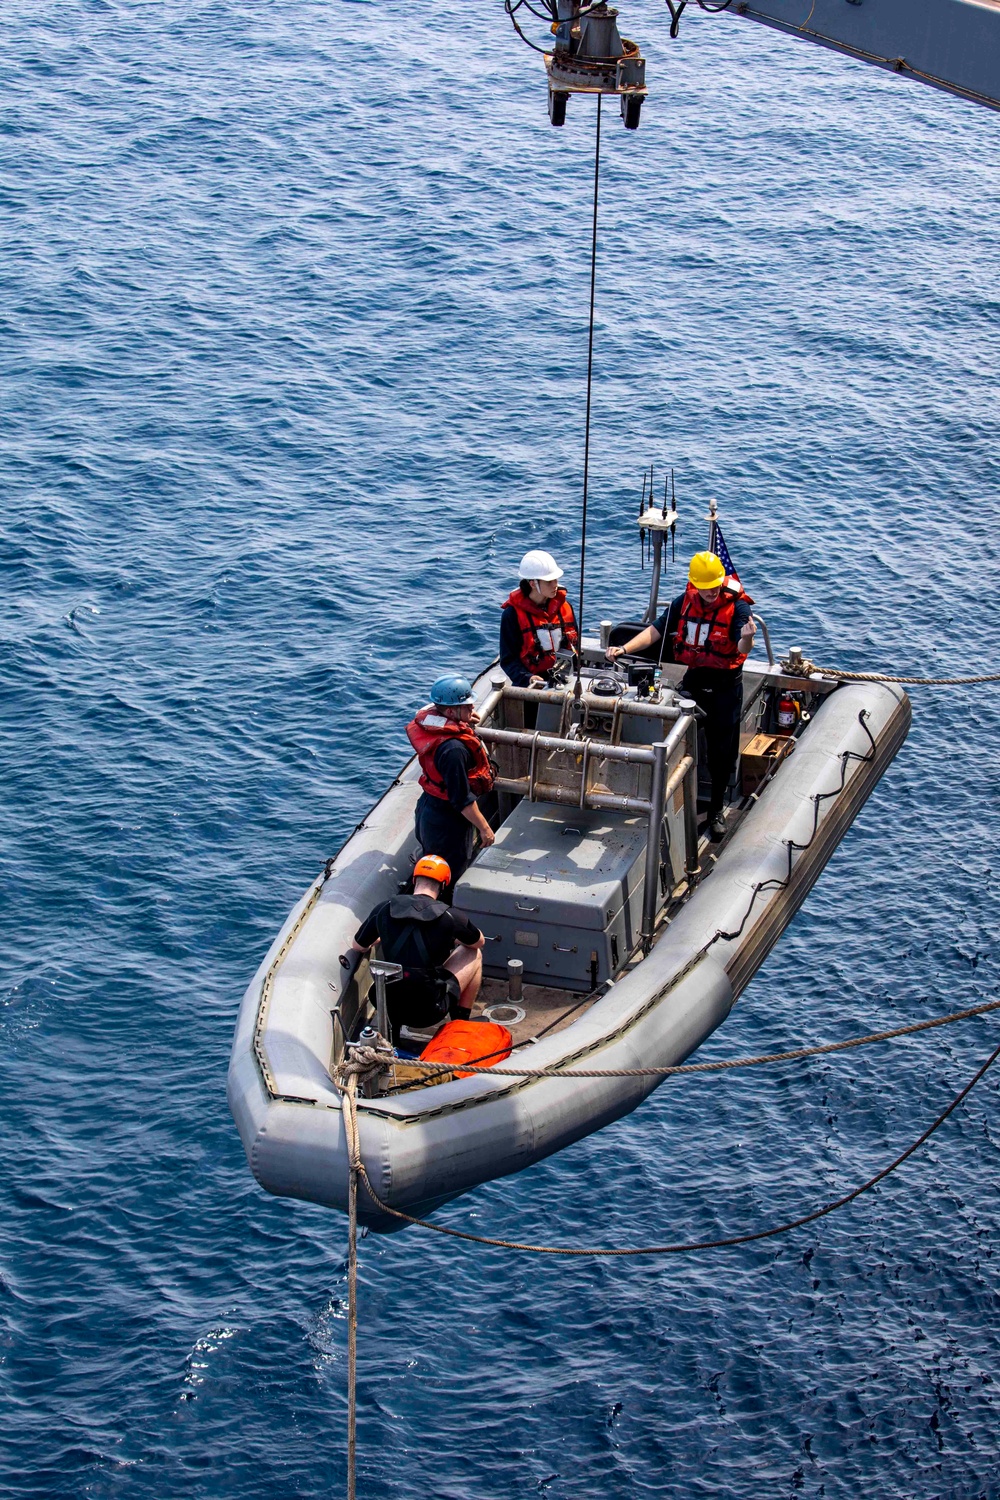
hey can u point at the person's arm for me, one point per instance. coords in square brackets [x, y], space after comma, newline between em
[466, 932]
[452, 762]
[367, 934]
[473, 815]
[510, 649]
[640, 642]
[744, 622]
[666, 625]
[361, 943]
[574, 648]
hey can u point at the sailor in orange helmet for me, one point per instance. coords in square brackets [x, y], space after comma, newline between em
[710, 629]
[440, 950]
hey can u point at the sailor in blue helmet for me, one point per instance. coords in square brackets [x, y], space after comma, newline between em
[455, 771]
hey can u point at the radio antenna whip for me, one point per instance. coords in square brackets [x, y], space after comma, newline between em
[590, 375]
[673, 529]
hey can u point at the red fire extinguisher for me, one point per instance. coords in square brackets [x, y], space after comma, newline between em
[788, 713]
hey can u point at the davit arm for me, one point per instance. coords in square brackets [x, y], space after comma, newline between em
[950, 44]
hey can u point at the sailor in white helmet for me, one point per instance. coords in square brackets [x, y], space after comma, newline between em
[537, 620]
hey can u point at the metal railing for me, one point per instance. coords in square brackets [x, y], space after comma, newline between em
[579, 758]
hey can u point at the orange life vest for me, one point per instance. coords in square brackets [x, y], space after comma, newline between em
[482, 1043]
[427, 731]
[544, 629]
[703, 636]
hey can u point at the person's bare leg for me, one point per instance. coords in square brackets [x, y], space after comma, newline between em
[467, 966]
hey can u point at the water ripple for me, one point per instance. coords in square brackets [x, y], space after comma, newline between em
[293, 375]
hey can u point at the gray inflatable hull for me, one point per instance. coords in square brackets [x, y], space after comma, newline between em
[423, 1147]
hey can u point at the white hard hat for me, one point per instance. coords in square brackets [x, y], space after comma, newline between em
[540, 565]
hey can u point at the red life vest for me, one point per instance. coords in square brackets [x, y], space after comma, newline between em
[703, 631]
[429, 729]
[544, 629]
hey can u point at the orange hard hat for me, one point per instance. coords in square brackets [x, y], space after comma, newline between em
[433, 867]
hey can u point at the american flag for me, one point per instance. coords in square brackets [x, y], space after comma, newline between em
[722, 553]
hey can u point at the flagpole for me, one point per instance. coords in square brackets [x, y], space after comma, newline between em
[713, 511]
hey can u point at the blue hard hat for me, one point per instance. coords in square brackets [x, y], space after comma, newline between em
[451, 690]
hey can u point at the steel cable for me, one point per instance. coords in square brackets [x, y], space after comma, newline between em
[590, 375]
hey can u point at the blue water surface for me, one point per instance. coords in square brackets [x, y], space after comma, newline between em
[293, 350]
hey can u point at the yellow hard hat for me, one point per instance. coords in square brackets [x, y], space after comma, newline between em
[706, 571]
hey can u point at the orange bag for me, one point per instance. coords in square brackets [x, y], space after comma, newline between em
[483, 1042]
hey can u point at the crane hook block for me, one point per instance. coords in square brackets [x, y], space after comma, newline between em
[591, 57]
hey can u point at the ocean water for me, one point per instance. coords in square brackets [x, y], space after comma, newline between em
[293, 350]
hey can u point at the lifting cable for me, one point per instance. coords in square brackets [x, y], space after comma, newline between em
[357, 1169]
[590, 376]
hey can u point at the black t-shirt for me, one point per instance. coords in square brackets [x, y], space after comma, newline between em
[452, 760]
[511, 641]
[417, 931]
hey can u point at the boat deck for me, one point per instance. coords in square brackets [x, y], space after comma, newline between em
[546, 1009]
[541, 1011]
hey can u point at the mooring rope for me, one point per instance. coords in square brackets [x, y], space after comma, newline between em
[809, 667]
[356, 1165]
[375, 1061]
[678, 1249]
[352, 1070]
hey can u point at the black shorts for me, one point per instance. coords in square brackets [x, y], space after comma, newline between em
[423, 1001]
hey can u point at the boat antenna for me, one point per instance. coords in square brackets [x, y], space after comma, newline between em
[590, 375]
[642, 534]
[673, 529]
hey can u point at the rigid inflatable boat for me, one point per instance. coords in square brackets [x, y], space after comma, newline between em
[630, 935]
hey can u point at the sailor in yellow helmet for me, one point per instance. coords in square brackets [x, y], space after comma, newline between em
[710, 629]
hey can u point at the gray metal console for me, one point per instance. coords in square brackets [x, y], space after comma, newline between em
[562, 890]
[602, 799]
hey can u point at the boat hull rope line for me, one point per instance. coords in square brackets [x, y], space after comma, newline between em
[358, 1172]
[368, 1062]
[865, 758]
